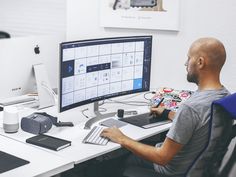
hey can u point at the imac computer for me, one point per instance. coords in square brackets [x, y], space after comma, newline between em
[17, 58]
[98, 69]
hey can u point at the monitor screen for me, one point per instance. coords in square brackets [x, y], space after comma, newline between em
[97, 69]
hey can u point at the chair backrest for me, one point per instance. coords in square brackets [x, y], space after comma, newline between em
[228, 168]
[209, 160]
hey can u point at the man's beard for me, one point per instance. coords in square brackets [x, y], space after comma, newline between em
[192, 78]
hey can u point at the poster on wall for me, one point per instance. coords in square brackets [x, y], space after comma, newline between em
[140, 14]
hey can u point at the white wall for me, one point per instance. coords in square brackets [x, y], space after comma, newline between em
[33, 17]
[198, 18]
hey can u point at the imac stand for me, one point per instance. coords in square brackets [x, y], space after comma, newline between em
[98, 116]
[45, 93]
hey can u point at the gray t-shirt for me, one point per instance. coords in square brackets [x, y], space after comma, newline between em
[190, 128]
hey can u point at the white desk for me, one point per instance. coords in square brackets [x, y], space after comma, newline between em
[79, 152]
[41, 162]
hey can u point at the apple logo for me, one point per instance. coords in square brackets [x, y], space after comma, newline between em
[36, 49]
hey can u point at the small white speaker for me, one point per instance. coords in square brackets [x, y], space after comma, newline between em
[10, 119]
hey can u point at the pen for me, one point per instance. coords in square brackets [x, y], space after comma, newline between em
[158, 104]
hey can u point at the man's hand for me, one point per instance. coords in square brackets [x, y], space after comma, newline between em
[157, 111]
[114, 134]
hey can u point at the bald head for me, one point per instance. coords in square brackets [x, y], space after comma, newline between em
[211, 49]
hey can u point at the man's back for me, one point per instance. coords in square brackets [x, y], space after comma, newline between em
[190, 128]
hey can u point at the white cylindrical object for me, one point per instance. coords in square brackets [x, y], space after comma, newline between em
[10, 119]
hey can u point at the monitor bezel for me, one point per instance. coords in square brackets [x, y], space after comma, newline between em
[99, 98]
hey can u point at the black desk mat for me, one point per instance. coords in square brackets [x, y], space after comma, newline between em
[9, 162]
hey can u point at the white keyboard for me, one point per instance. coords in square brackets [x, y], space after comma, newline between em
[94, 137]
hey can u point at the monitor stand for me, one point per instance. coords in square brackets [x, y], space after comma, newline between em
[45, 93]
[98, 116]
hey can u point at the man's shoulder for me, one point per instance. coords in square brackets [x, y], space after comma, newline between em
[204, 98]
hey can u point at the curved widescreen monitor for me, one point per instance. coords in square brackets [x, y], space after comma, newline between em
[97, 69]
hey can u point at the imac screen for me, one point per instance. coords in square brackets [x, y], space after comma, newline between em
[17, 57]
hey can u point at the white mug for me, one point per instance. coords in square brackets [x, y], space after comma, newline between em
[10, 119]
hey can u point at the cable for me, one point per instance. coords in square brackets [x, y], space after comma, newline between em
[84, 113]
[50, 91]
[144, 95]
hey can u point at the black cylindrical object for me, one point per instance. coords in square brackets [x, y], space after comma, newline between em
[120, 113]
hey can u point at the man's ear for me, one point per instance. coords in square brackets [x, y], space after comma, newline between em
[201, 62]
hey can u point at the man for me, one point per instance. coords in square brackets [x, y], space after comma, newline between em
[189, 131]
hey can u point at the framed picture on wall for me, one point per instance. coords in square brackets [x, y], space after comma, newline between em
[140, 14]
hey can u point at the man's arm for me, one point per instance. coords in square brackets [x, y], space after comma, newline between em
[159, 155]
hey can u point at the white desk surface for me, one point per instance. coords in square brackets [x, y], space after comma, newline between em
[78, 151]
[41, 162]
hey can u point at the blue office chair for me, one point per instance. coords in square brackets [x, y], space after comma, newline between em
[228, 169]
[222, 131]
